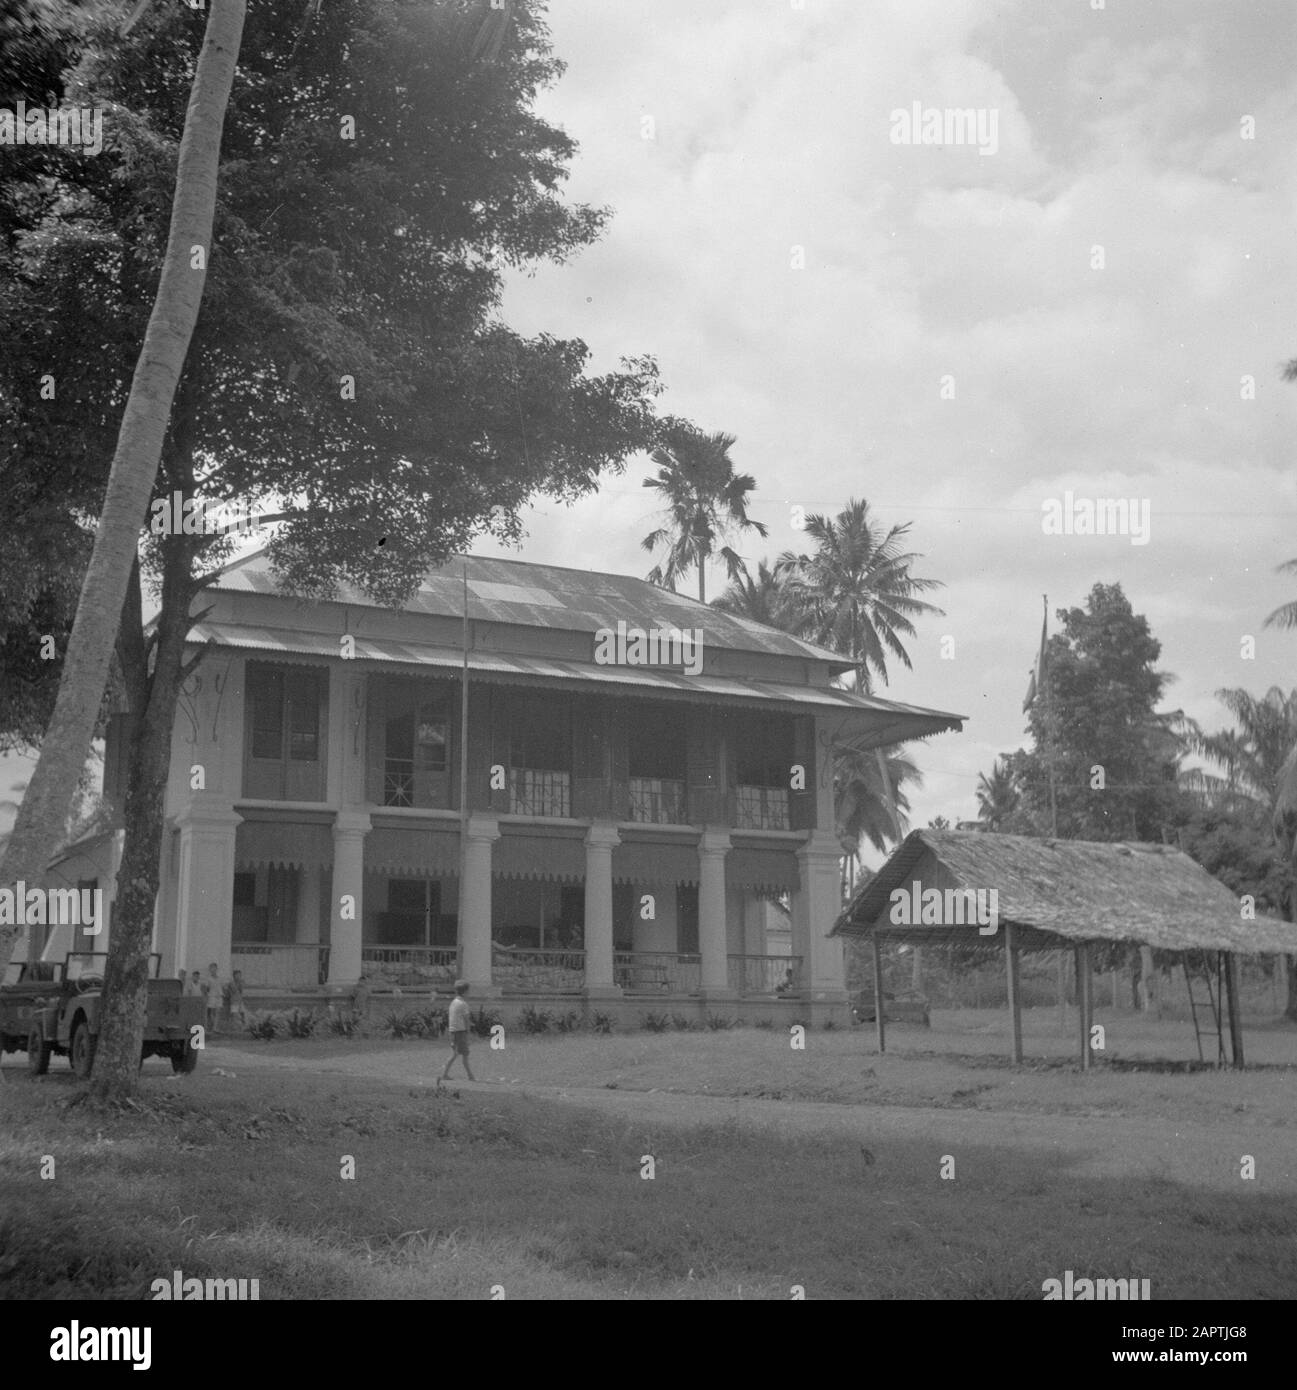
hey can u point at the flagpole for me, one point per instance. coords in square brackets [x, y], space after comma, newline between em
[463, 781]
[1053, 813]
[1049, 744]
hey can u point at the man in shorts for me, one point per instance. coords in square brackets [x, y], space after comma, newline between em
[458, 1029]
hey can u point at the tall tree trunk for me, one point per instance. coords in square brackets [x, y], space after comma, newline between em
[135, 463]
[1290, 962]
[117, 1057]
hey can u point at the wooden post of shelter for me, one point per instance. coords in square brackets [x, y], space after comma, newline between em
[1230, 962]
[1084, 1000]
[1015, 994]
[878, 992]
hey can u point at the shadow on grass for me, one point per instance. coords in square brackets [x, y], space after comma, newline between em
[452, 1197]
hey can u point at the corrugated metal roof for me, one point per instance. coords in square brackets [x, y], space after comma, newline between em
[1068, 890]
[867, 721]
[549, 596]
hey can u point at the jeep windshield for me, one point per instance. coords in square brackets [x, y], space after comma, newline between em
[85, 965]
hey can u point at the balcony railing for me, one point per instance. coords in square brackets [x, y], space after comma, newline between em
[761, 808]
[764, 974]
[398, 782]
[657, 972]
[520, 970]
[537, 792]
[280, 965]
[657, 800]
[410, 965]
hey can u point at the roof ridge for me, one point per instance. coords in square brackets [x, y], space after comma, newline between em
[806, 649]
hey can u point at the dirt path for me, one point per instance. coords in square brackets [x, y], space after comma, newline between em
[1190, 1152]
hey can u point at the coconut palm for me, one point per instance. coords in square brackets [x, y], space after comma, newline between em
[1261, 762]
[764, 599]
[706, 504]
[857, 589]
[863, 802]
[1283, 818]
[1253, 755]
[1285, 615]
[997, 795]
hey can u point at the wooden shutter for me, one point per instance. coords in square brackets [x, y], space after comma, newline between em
[375, 739]
[619, 718]
[704, 768]
[480, 746]
[590, 752]
[801, 805]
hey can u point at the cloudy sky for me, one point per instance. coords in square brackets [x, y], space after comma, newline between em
[1124, 128]
[971, 334]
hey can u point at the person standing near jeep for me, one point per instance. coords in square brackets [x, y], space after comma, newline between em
[458, 1029]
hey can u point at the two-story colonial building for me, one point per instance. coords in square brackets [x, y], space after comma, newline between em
[642, 807]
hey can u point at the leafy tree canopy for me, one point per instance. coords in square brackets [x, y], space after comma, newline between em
[373, 187]
[1114, 758]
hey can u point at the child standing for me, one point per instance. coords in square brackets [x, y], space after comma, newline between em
[458, 1029]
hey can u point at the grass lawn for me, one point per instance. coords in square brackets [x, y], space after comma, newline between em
[239, 1176]
[960, 1062]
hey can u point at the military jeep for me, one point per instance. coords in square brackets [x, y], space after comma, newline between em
[55, 1006]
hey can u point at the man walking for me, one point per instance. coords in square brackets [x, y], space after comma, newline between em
[458, 1029]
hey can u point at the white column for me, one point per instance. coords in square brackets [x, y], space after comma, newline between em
[347, 910]
[308, 904]
[204, 780]
[475, 903]
[713, 933]
[816, 905]
[205, 891]
[347, 736]
[600, 841]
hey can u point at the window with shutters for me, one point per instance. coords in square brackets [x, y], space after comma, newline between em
[657, 750]
[416, 743]
[284, 752]
[762, 752]
[540, 757]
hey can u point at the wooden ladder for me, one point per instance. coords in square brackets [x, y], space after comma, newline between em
[1210, 1005]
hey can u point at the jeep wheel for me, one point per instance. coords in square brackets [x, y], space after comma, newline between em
[39, 1052]
[83, 1050]
[184, 1057]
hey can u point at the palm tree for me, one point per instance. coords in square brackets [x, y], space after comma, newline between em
[1261, 762]
[135, 461]
[863, 801]
[1284, 824]
[706, 503]
[1253, 756]
[858, 596]
[997, 795]
[1285, 615]
[765, 599]
[858, 591]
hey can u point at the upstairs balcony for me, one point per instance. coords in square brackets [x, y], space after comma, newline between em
[398, 782]
[539, 792]
[657, 801]
[761, 808]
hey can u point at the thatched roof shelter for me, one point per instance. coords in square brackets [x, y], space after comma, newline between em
[1056, 893]
[1013, 893]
